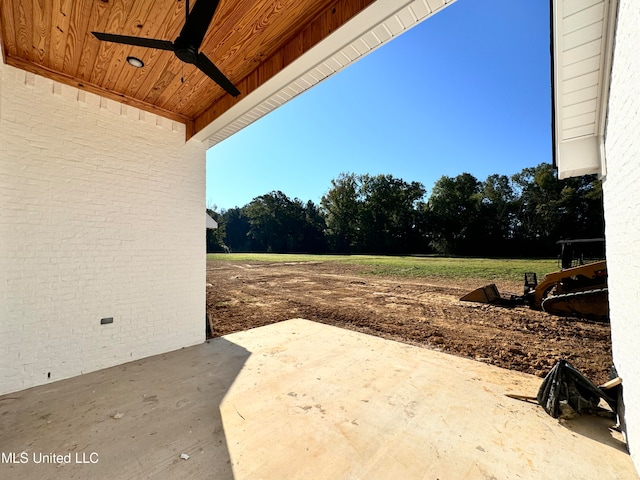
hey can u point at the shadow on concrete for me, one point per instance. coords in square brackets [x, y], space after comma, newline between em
[598, 429]
[130, 421]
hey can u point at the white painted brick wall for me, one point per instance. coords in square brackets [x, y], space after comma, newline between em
[102, 215]
[622, 212]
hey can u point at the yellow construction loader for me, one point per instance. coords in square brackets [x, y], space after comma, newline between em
[578, 289]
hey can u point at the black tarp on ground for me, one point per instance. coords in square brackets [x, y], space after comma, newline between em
[564, 383]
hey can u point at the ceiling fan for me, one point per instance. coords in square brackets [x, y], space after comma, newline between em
[186, 46]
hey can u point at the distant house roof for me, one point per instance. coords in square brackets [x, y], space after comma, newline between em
[211, 223]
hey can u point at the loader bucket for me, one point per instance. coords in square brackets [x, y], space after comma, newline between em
[486, 294]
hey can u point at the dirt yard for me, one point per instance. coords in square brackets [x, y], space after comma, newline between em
[425, 312]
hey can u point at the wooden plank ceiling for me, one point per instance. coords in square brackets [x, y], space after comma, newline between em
[248, 40]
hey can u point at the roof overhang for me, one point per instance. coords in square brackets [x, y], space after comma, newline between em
[270, 50]
[377, 24]
[211, 223]
[582, 34]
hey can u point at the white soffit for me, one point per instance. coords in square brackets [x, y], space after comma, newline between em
[371, 28]
[583, 32]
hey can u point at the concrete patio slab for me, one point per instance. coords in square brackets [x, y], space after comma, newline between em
[299, 400]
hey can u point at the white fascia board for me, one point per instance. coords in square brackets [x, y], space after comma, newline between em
[349, 43]
[579, 140]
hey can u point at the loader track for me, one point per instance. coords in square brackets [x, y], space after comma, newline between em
[580, 304]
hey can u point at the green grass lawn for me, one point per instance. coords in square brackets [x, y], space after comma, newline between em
[413, 266]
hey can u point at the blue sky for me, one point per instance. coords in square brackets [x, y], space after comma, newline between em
[467, 90]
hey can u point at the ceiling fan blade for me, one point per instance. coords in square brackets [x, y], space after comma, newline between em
[207, 66]
[197, 23]
[135, 41]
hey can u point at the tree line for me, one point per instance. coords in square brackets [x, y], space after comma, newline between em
[521, 215]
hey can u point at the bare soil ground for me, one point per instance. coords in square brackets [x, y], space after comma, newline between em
[426, 312]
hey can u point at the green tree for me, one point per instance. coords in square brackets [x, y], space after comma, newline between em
[581, 200]
[388, 216]
[522, 215]
[497, 214]
[373, 214]
[313, 237]
[236, 226]
[454, 209]
[277, 223]
[549, 209]
[340, 206]
[537, 212]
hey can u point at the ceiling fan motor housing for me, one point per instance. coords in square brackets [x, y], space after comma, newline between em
[186, 53]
